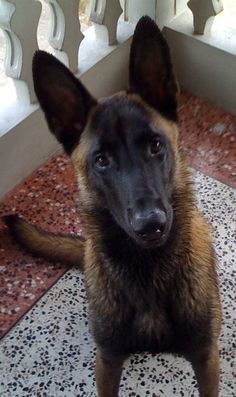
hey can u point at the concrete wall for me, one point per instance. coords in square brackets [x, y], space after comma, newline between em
[205, 65]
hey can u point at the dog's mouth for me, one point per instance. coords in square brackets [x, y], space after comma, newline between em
[150, 226]
[154, 241]
[153, 234]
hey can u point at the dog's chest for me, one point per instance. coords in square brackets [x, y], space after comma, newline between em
[151, 328]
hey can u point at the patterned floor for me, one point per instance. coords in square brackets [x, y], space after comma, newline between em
[50, 352]
[208, 137]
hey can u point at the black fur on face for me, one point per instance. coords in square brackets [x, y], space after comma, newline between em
[131, 159]
[131, 164]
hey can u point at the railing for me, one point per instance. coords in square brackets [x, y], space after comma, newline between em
[19, 20]
[203, 11]
[100, 59]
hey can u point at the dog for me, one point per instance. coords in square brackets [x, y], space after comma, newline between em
[147, 255]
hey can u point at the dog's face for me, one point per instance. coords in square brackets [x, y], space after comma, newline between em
[130, 162]
[124, 147]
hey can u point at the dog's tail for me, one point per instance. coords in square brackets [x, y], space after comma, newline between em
[53, 247]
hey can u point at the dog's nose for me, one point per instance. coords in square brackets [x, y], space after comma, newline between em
[149, 224]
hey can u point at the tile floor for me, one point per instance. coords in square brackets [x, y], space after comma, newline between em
[50, 352]
[208, 137]
[46, 198]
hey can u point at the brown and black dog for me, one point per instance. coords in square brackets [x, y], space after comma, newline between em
[147, 255]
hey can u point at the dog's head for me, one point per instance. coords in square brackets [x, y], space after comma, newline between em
[123, 148]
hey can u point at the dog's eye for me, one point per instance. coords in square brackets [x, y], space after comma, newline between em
[155, 146]
[102, 161]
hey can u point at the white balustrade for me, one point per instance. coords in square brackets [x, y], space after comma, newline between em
[160, 10]
[19, 21]
[125, 6]
[105, 14]
[64, 34]
[134, 9]
[180, 6]
[203, 11]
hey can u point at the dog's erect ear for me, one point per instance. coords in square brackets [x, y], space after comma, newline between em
[64, 100]
[151, 73]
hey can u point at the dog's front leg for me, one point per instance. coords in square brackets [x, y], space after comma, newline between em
[206, 367]
[108, 374]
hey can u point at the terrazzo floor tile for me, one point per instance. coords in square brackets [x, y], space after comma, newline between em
[46, 198]
[50, 351]
[208, 138]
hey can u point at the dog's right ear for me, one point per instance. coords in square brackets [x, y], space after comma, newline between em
[65, 101]
[151, 71]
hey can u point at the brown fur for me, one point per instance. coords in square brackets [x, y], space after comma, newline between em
[54, 247]
[158, 300]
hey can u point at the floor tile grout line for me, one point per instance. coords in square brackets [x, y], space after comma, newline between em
[195, 168]
[33, 304]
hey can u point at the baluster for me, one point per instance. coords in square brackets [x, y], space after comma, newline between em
[180, 6]
[135, 9]
[64, 33]
[105, 13]
[126, 10]
[19, 21]
[125, 6]
[203, 10]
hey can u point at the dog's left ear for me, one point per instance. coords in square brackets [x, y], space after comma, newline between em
[63, 98]
[151, 72]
